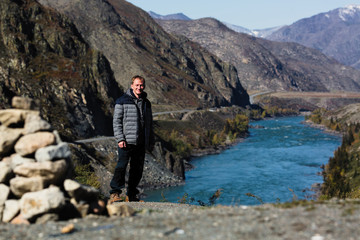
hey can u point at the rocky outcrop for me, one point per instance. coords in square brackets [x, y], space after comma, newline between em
[161, 169]
[179, 73]
[43, 56]
[34, 168]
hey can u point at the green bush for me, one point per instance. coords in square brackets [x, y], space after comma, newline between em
[182, 148]
[238, 125]
[85, 175]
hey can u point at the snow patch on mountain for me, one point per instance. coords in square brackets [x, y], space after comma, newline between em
[348, 12]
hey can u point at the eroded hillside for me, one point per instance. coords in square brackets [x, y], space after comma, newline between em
[180, 73]
[43, 56]
[265, 65]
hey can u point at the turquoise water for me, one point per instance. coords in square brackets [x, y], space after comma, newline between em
[275, 163]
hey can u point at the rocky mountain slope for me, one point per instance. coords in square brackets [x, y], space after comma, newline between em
[265, 65]
[180, 73]
[335, 33]
[43, 56]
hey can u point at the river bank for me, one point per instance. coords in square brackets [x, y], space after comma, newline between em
[281, 159]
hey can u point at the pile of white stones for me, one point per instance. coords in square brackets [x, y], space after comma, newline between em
[34, 165]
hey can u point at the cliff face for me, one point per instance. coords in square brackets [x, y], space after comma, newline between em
[44, 57]
[179, 72]
[266, 65]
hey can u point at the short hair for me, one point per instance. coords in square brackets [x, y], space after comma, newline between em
[137, 77]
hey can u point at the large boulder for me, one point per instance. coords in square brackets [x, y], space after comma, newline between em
[34, 123]
[80, 192]
[49, 153]
[53, 172]
[24, 103]
[21, 185]
[11, 209]
[17, 160]
[4, 190]
[28, 144]
[8, 139]
[48, 200]
[10, 117]
[5, 172]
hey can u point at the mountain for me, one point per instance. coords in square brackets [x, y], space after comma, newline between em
[179, 73]
[256, 33]
[266, 65]
[335, 33]
[43, 56]
[175, 16]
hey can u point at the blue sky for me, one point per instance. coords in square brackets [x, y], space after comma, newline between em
[251, 14]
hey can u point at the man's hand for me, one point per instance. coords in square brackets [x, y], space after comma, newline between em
[122, 144]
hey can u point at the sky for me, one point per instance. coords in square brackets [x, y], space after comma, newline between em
[251, 14]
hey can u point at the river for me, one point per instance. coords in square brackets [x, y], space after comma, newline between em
[276, 163]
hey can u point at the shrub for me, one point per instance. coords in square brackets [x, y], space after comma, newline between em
[85, 175]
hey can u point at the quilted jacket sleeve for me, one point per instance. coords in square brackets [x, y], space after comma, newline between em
[118, 123]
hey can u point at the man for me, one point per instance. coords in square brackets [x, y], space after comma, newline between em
[133, 132]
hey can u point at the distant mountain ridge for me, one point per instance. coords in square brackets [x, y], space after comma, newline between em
[257, 33]
[335, 33]
[175, 16]
[265, 65]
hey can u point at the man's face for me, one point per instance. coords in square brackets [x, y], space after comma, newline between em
[138, 87]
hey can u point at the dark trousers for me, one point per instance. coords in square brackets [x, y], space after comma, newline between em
[136, 155]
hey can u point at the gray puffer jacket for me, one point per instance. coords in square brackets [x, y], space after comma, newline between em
[133, 117]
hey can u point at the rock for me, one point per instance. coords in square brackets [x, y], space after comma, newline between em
[47, 217]
[9, 136]
[11, 209]
[57, 136]
[17, 160]
[19, 219]
[80, 192]
[24, 103]
[5, 172]
[68, 228]
[7, 160]
[21, 185]
[4, 190]
[97, 207]
[34, 123]
[81, 207]
[121, 209]
[49, 153]
[44, 201]
[9, 117]
[1, 211]
[53, 172]
[28, 144]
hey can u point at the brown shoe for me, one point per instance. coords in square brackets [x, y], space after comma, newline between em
[115, 197]
[133, 199]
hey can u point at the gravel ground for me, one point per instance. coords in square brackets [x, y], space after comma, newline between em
[331, 220]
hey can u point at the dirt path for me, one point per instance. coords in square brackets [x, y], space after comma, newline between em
[315, 94]
[311, 221]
